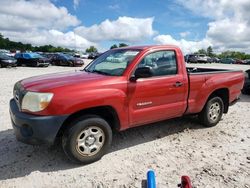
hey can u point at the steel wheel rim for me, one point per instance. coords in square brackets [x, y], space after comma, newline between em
[214, 111]
[90, 141]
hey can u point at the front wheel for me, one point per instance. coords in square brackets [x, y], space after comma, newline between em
[87, 140]
[212, 112]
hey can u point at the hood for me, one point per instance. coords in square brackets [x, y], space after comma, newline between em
[51, 81]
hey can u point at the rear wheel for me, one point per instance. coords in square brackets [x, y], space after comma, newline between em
[71, 64]
[87, 140]
[212, 112]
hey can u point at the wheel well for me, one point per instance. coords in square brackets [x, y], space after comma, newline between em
[106, 112]
[224, 95]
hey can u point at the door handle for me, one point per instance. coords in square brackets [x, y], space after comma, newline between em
[178, 84]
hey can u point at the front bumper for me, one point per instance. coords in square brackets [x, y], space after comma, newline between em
[43, 64]
[8, 64]
[33, 129]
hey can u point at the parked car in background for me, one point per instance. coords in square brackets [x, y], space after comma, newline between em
[7, 61]
[246, 87]
[247, 62]
[49, 56]
[94, 55]
[227, 61]
[31, 59]
[85, 55]
[239, 61]
[214, 60]
[197, 58]
[81, 55]
[202, 58]
[191, 58]
[66, 60]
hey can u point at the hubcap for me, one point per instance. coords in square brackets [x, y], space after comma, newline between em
[214, 111]
[90, 141]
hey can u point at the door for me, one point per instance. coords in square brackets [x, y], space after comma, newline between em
[161, 96]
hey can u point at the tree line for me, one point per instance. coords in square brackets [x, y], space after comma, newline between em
[226, 54]
[7, 44]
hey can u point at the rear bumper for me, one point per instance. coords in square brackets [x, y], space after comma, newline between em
[32, 129]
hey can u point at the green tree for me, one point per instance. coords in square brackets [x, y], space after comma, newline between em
[201, 51]
[91, 49]
[113, 46]
[210, 51]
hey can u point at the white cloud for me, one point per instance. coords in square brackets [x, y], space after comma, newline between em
[123, 29]
[185, 45]
[230, 25]
[39, 22]
[184, 34]
[52, 37]
[76, 3]
[114, 7]
[25, 15]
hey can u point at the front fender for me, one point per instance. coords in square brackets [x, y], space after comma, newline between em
[82, 100]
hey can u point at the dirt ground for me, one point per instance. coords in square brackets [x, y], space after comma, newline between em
[212, 157]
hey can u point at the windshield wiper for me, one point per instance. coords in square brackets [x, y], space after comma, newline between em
[100, 72]
[86, 70]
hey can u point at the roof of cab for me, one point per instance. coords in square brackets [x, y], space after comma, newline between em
[146, 47]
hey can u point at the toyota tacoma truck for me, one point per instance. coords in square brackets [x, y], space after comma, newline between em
[121, 89]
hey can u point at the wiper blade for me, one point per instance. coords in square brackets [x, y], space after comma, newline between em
[86, 70]
[100, 72]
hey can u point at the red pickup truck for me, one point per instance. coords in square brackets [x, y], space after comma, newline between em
[122, 88]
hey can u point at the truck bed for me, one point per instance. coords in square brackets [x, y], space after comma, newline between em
[195, 70]
[203, 81]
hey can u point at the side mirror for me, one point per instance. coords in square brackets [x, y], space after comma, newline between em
[142, 72]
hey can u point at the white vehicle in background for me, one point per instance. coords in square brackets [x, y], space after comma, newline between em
[81, 55]
[202, 58]
[84, 55]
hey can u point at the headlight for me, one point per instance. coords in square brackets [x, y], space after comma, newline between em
[6, 61]
[34, 102]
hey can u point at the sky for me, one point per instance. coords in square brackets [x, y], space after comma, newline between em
[78, 24]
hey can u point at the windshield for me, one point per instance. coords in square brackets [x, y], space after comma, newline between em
[113, 62]
[32, 55]
[67, 56]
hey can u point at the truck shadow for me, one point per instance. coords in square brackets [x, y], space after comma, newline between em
[18, 159]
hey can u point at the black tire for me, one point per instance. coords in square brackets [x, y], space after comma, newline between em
[77, 128]
[243, 91]
[1, 65]
[71, 64]
[35, 64]
[212, 112]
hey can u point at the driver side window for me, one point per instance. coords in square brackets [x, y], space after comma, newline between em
[161, 63]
